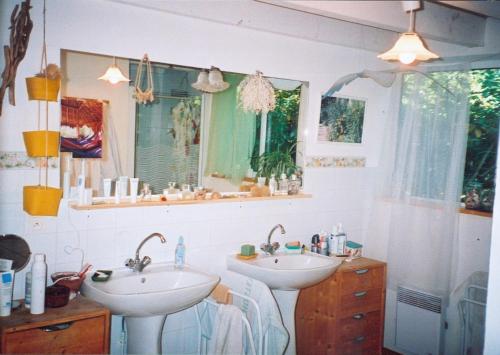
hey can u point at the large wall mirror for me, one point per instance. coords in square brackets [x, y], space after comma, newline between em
[183, 136]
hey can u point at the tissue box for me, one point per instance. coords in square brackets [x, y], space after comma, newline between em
[353, 249]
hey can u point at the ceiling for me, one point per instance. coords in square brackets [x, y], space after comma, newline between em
[485, 8]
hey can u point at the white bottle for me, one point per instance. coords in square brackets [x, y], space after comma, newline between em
[273, 185]
[38, 284]
[180, 253]
[80, 185]
[342, 239]
[333, 242]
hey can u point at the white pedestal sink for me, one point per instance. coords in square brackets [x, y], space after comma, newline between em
[146, 298]
[285, 274]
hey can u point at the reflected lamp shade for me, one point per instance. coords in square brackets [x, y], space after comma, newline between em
[210, 82]
[408, 48]
[113, 74]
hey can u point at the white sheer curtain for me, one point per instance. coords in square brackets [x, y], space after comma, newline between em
[422, 166]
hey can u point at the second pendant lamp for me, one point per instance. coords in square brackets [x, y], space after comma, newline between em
[409, 47]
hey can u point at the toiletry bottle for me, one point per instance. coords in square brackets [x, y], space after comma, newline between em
[342, 239]
[314, 243]
[27, 290]
[80, 184]
[6, 283]
[283, 185]
[38, 284]
[118, 190]
[273, 184]
[294, 185]
[180, 253]
[333, 242]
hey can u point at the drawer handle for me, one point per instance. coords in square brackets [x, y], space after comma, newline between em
[359, 340]
[358, 316]
[360, 294]
[361, 271]
[56, 327]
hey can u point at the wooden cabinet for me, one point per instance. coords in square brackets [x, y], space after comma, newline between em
[345, 313]
[81, 327]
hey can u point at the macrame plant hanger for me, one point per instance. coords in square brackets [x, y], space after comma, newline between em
[42, 200]
[143, 97]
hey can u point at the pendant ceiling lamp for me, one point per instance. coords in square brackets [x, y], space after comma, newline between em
[113, 75]
[409, 47]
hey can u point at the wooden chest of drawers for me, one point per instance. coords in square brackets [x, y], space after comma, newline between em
[345, 313]
[81, 327]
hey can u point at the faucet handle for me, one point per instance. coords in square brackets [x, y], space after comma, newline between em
[130, 263]
[275, 245]
[146, 261]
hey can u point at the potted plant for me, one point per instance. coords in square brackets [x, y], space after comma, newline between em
[42, 200]
[276, 162]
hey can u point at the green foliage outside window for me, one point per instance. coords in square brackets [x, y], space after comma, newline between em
[483, 134]
[281, 136]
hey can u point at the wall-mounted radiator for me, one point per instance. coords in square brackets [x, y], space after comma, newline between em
[418, 322]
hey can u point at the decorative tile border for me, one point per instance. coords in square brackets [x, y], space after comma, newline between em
[335, 162]
[19, 160]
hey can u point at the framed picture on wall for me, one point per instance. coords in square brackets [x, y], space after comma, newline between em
[341, 119]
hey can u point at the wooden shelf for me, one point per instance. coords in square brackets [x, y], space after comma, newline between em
[476, 212]
[108, 205]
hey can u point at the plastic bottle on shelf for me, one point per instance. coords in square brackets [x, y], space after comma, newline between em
[180, 253]
[273, 184]
[283, 185]
[342, 239]
[38, 284]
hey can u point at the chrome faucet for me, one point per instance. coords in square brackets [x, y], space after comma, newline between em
[137, 264]
[269, 248]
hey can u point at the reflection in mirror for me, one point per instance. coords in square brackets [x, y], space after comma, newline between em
[15, 248]
[184, 135]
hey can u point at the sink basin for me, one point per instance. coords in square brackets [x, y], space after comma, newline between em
[146, 298]
[286, 271]
[160, 289]
[285, 274]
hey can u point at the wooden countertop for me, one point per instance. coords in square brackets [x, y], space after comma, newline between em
[78, 308]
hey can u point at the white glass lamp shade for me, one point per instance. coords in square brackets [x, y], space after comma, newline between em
[408, 48]
[216, 80]
[202, 83]
[114, 75]
[210, 82]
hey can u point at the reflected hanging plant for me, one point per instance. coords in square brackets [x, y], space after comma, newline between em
[256, 94]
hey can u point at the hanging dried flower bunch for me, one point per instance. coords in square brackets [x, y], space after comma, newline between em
[256, 94]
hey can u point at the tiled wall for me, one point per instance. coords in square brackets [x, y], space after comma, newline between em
[211, 231]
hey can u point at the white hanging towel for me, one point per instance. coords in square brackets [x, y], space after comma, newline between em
[227, 333]
[276, 333]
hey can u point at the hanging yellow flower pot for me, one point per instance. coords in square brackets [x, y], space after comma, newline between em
[41, 200]
[41, 88]
[41, 143]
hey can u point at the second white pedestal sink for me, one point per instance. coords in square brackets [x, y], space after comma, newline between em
[285, 274]
[145, 298]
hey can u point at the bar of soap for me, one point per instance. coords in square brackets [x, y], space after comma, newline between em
[247, 250]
